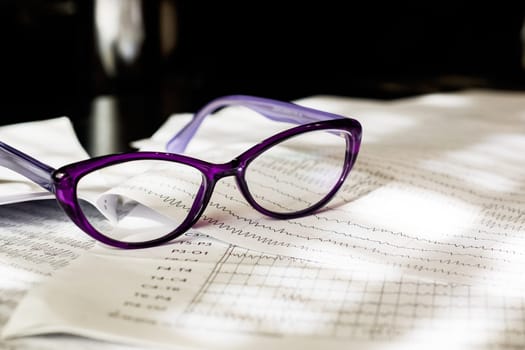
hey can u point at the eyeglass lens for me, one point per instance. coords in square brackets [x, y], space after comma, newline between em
[297, 173]
[139, 200]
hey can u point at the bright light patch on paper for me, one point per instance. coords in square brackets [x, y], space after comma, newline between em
[479, 165]
[14, 278]
[451, 330]
[495, 149]
[415, 210]
[476, 176]
[379, 125]
[446, 100]
[503, 147]
[491, 181]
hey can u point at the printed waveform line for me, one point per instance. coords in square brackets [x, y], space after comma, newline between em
[270, 241]
[253, 255]
[280, 181]
[165, 198]
[407, 236]
[518, 236]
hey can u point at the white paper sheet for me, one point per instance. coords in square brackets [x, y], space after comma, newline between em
[52, 141]
[36, 240]
[36, 237]
[428, 230]
[201, 293]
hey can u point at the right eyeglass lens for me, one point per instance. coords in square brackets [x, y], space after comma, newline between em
[139, 200]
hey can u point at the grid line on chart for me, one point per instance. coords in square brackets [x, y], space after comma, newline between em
[276, 296]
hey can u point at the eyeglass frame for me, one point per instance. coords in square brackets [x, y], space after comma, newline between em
[62, 182]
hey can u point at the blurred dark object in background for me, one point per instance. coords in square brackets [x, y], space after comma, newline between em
[45, 64]
[184, 53]
[374, 49]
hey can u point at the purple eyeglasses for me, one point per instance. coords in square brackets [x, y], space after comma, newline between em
[143, 199]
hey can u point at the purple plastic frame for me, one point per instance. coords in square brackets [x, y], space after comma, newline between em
[63, 181]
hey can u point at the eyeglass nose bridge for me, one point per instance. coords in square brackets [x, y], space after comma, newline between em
[216, 172]
[211, 173]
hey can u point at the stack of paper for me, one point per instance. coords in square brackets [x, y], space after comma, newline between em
[423, 246]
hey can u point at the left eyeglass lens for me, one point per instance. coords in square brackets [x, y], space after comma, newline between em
[140, 200]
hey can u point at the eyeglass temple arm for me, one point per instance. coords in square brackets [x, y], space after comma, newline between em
[27, 166]
[275, 110]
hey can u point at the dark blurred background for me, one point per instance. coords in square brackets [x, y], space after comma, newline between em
[119, 68]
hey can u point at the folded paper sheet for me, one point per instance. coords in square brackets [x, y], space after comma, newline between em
[422, 247]
[36, 238]
[51, 141]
